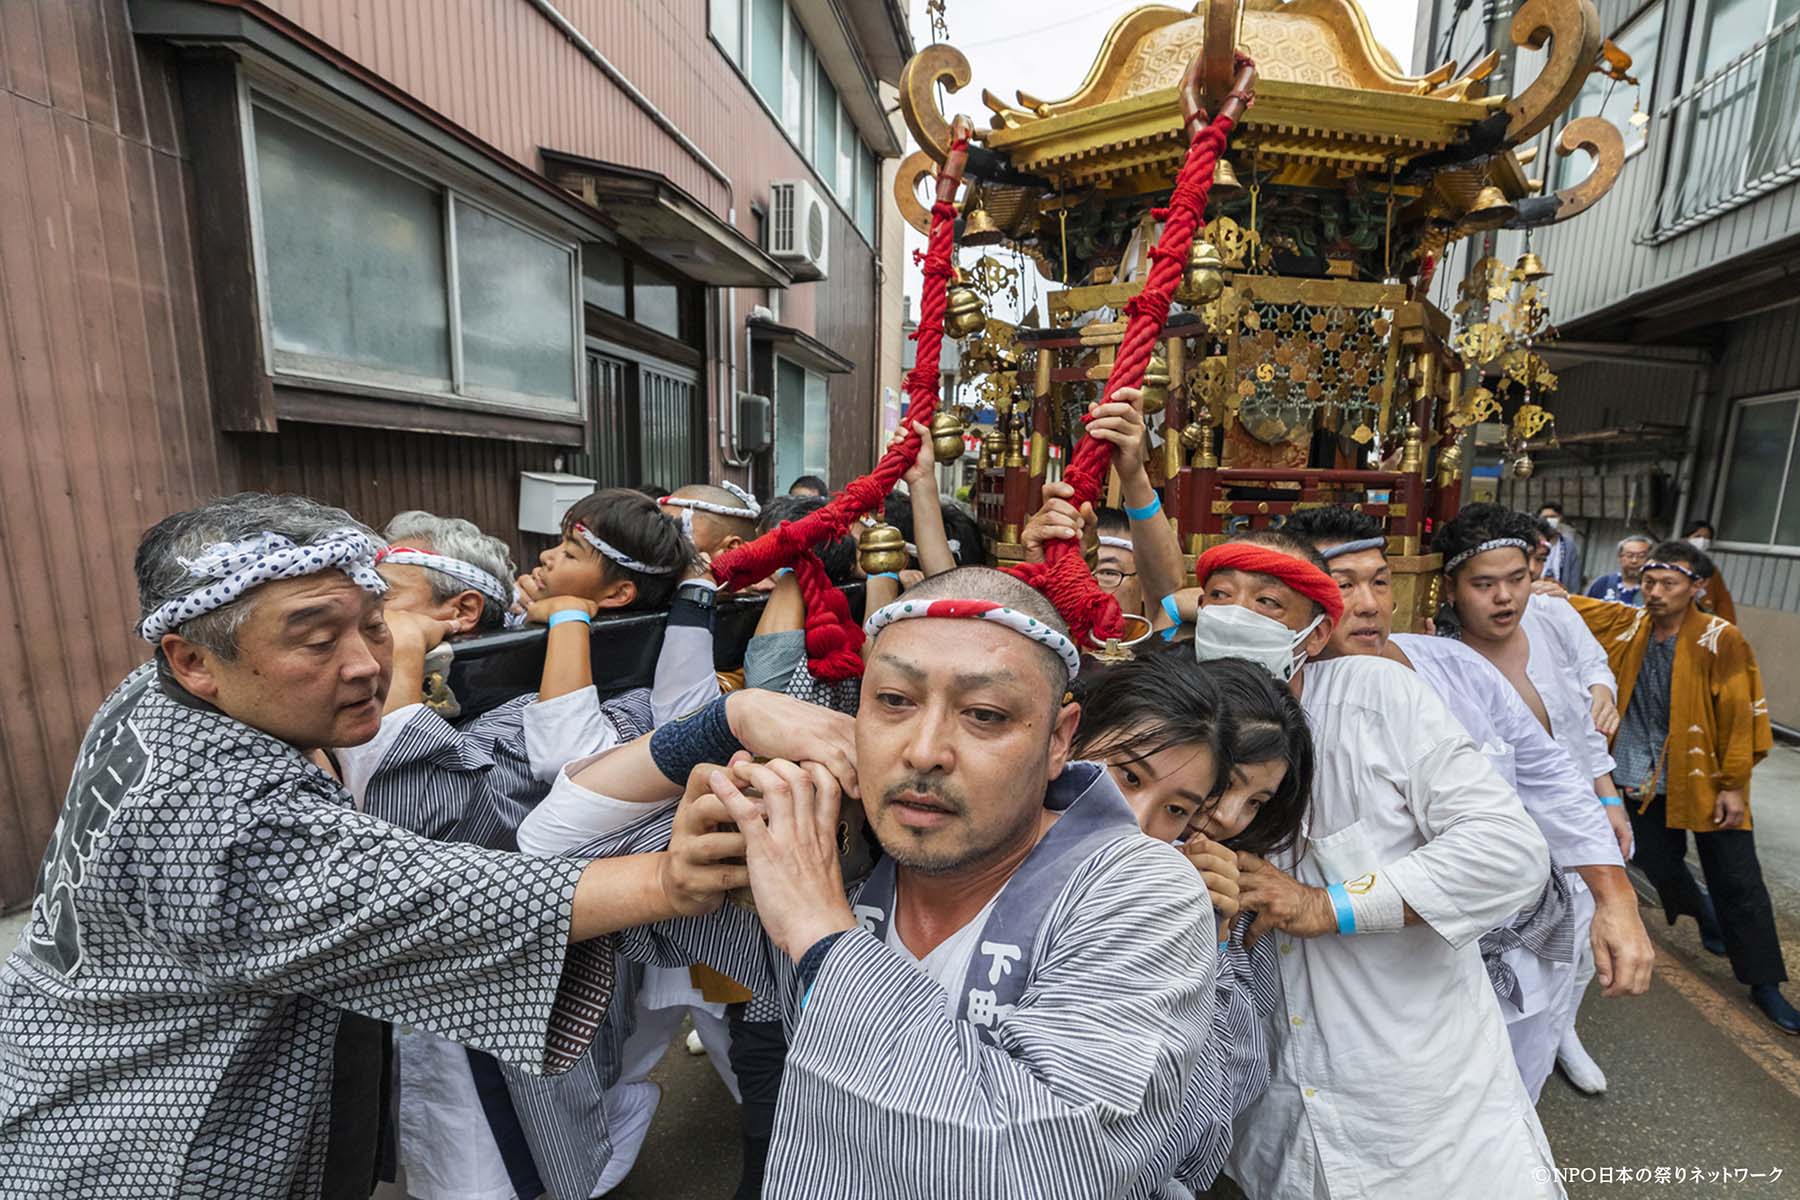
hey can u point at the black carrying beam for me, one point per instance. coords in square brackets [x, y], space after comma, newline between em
[491, 668]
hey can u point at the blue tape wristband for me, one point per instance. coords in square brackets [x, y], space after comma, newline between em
[1612, 801]
[1145, 513]
[784, 571]
[893, 575]
[1346, 916]
[567, 615]
[1173, 609]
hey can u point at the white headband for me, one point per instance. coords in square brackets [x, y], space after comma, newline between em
[1483, 548]
[985, 610]
[617, 555]
[457, 569]
[750, 508]
[1117, 543]
[953, 543]
[241, 566]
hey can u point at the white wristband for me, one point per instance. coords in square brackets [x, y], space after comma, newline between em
[1376, 902]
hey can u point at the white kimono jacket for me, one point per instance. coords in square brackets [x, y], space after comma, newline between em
[1393, 1078]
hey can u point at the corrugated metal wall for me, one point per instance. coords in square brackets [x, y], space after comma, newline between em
[105, 422]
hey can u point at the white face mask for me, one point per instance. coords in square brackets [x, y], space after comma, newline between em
[1554, 521]
[1699, 543]
[1233, 631]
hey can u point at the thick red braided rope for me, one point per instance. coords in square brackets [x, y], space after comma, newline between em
[790, 543]
[1093, 616]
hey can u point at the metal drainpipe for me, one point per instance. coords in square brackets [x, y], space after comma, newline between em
[593, 55]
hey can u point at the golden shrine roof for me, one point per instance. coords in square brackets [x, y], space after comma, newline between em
[1327, 91]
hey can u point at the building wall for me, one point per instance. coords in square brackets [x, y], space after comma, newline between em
[506, 74]
[105, 420]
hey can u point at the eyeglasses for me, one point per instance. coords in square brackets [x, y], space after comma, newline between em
[1111, 577]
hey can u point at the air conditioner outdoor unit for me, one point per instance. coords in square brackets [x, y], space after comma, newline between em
[799, 227]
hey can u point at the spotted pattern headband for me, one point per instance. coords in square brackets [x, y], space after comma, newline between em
[1679, 568]
[1356, 547]
[237, 567]
[457, 569]
[983, 610]
[1117, 543]
[617, 555]
[1484, 547]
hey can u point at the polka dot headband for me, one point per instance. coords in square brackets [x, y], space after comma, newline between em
[455, 568]
[983, 610]
[237, 567]
[617, 555]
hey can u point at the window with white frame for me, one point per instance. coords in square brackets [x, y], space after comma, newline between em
[765, 40]
[1759, 498]
[373, 274]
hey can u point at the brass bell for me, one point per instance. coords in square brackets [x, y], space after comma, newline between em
[1491, 210]
[1204, 276]
[1156, 382]
[1522, 466]
[881, 548]
[1450, 464]
[963, 314]
[1225, 185]
[980, 228]
[993, 443]
[946, 436]
[1530, 267]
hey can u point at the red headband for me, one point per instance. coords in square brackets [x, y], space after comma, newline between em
[1297, 573]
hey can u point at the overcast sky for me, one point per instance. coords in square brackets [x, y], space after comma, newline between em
[1046, 47]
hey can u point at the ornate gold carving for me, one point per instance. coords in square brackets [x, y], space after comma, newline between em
[1600, 139]
[918, 99]
[1572, 27]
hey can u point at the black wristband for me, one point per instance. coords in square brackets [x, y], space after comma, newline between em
[704, 735]
[692, 606]
[812, 962]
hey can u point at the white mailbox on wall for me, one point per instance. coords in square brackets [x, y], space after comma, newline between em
[544, 496]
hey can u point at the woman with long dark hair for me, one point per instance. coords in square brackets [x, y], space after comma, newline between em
[1216, 755]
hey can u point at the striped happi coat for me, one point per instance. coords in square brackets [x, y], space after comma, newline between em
[1115, 1073]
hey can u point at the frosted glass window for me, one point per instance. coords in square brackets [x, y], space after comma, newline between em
[848, 150]
[765, 50]
[603, 278]
[354, 256]
[818, 427]
[728, 27]
[793, 88]
[825, 105]
[868, 179]
[656, 301]
[1757, 471]
[513, 288]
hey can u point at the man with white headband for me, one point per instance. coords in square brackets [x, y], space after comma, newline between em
[1531, 960]
[1412, 849]
[215, 922]
[1487, 581]
[471, 776]
[956, 1017]
[715, 519]
[1696, 724]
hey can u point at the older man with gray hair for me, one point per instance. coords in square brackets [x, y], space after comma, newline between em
[214, 918]
[1625, 586]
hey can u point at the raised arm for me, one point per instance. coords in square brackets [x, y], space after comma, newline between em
[1160, 565]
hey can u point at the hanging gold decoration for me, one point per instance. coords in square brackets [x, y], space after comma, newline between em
[1530, 420]
[947, 436]
[1156, 382]
[881, 548]
[1362, 435]
[963, 314]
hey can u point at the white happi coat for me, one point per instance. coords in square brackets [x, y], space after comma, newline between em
[1565, 661]
[1393, 1078]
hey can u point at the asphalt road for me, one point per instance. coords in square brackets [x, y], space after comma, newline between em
[1699, 1082]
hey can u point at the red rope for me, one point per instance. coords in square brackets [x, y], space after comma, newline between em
[789, 545]
[1063, 577]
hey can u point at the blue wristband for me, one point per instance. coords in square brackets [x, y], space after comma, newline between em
[1612, 801]
[1340, 900]
[1173, 609]
[784, 571]
[1145, 513]
[567, 615]
[893, 575]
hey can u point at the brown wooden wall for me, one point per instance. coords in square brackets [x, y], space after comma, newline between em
[105, 424]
